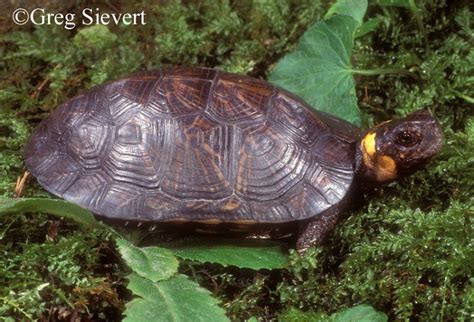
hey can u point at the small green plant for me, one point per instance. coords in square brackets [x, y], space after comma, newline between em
[52, 266]
[155, 278]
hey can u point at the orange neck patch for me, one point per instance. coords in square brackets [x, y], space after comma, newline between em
[384, 166]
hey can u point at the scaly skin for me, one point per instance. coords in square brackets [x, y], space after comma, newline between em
[315, 232]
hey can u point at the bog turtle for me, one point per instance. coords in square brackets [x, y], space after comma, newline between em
[218, 151]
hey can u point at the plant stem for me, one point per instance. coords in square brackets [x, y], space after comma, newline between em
[382, 71]
[462, 96]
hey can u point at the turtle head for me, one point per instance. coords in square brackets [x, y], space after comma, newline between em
[397, 148]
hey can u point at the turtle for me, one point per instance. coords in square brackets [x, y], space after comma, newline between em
[219, 152]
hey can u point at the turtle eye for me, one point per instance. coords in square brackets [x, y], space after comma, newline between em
[406, 138]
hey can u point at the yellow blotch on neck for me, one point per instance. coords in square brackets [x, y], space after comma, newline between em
[368, 145]
[384, 166]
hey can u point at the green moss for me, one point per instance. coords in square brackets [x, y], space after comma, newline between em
[402, 260]
[13, 134]
[55, 267]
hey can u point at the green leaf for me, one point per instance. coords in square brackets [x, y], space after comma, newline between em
[253, 254]
[153, 263]
[320, 71]
[368, 26]
[354, 8]
[55, 207]
[360, 313]
[175, 299]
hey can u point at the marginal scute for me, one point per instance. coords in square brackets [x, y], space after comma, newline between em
[60, 173]
[95, 182]
[179, 96]
[270, 212]
[212, 221]
[197, 209]
[306, 202]
[68, 115]
[40, 148]
[159, 207]
[233, 208]
[138, 89]
[191, 73]
[246, 222]
[122, 199]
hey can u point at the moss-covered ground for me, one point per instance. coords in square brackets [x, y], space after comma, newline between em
[408, 251]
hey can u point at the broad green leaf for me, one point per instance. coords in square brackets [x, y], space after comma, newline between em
[354, 8]
[153, 263]
[175, 299]
[55, 207]
[253, 254]
[368, 26]
[360, 313]
[320, 71]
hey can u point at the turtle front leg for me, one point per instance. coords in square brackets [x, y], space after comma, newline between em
[314, 232]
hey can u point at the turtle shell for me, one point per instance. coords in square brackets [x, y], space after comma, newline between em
[194, 144]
